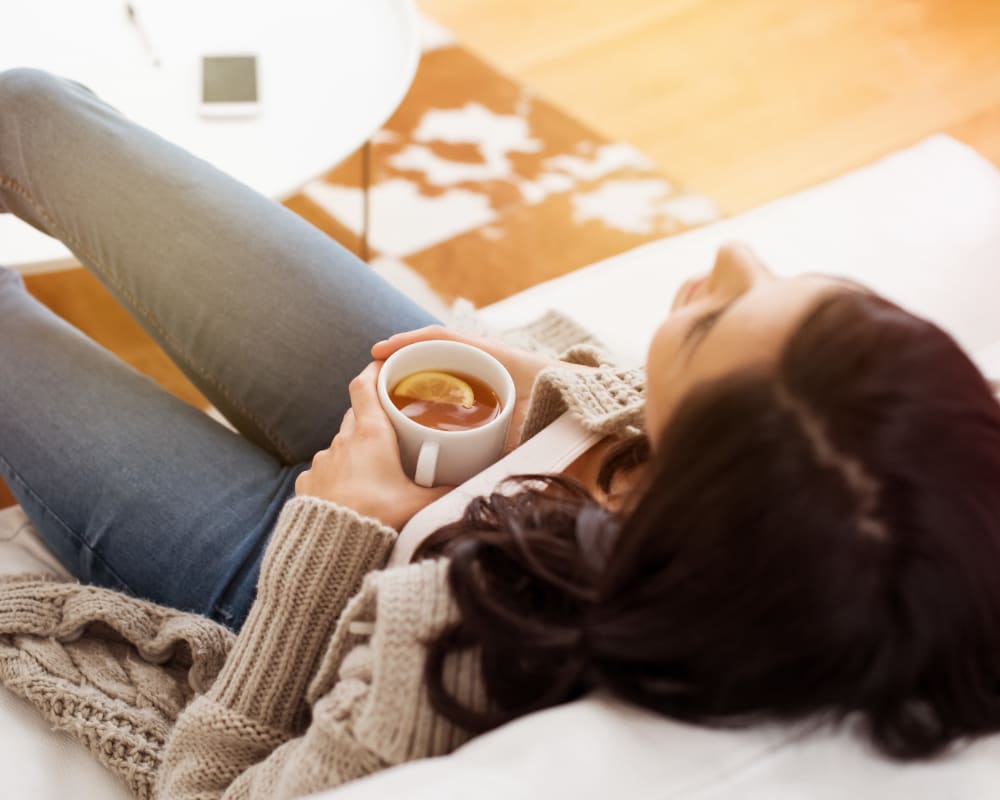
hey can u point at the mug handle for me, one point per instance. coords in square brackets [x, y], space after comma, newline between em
[426, 464]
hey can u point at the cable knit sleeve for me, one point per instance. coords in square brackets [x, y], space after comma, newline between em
[241, 738]
[604, 398]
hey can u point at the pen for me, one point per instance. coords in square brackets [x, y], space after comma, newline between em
[134, 19]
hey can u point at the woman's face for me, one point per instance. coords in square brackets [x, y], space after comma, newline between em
[737, 315]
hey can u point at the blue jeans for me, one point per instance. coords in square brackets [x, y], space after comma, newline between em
[270, 318]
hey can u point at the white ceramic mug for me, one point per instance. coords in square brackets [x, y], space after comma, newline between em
[434, 457]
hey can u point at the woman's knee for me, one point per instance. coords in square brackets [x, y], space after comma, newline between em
[22, 87]
[10, 279]
[23, 83]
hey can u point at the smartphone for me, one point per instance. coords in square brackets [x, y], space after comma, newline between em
[229, 86]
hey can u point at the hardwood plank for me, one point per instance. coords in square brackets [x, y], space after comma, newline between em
[748, 100]
[520, 34]
[981, 132]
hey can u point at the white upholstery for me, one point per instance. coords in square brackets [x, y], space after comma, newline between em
[20, 548]
[36, 762]
[598, 749]
[921, 227]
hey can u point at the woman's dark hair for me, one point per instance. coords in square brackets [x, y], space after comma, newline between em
[816, 537]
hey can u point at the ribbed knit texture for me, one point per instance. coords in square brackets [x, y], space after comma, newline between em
[314, 564]
[324, 683]
[609, 402]
[605, 400]
[316, 560]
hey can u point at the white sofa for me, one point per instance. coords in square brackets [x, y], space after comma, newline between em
[923, 227]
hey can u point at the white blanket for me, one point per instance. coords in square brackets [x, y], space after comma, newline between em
[922, 227]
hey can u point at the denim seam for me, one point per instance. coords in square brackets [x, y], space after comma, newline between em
[63, 524]
[12, 183]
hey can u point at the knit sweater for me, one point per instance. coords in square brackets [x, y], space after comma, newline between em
[323, 684]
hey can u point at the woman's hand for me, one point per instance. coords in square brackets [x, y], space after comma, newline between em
[361, 467]
[522, 365]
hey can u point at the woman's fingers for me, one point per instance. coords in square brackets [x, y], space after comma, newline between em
[364, 397]
[347, 423]
[382, 350]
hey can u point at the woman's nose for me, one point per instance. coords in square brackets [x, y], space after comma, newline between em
[737, 269]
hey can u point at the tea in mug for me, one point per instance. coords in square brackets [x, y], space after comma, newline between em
[447, 401]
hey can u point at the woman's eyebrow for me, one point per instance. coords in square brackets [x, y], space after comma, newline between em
[701, 327]
[853, 284]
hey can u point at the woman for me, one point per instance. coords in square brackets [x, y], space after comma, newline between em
[808, 524]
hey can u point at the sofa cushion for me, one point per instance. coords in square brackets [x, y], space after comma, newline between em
[920, 226]
[598, 748]
[35, 761]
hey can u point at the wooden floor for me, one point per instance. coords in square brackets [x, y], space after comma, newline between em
[748, 100]
[743, 100]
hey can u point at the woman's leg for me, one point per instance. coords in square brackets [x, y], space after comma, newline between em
[131, 488]
[267, 315]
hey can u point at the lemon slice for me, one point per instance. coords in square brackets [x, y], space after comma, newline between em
[436, 387]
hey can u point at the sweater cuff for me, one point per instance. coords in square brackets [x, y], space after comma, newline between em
[315, 562]
[605, 400]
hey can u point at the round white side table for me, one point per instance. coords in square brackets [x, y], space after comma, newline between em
[330, 73]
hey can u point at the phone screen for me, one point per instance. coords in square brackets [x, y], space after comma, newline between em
[229, 79]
